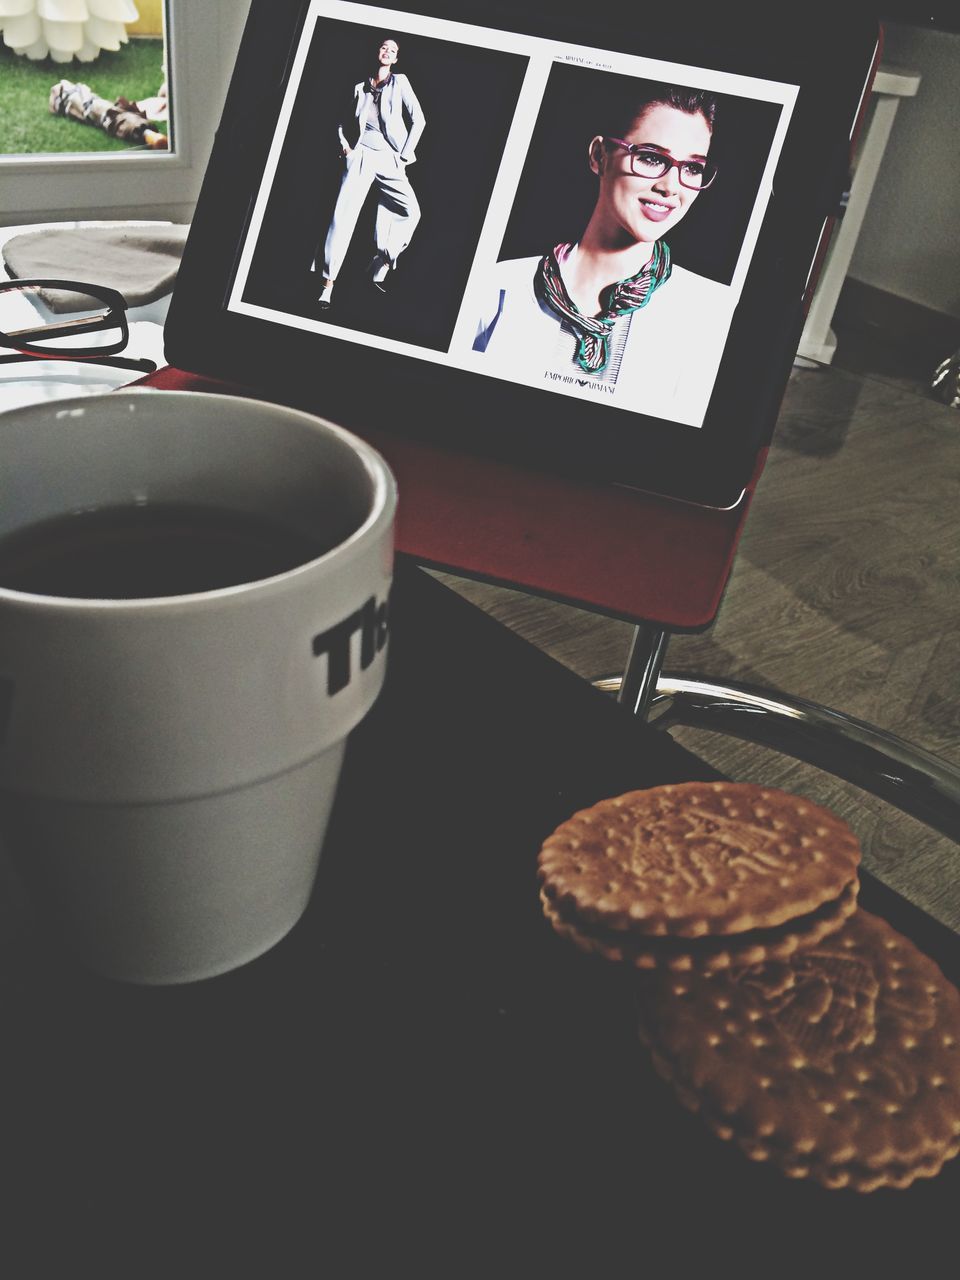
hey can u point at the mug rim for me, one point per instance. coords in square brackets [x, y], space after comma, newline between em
[383, 500]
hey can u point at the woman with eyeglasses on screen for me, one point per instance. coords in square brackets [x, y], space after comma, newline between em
[611, 313]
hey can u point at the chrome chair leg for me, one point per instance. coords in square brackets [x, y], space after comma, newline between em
[638, 684]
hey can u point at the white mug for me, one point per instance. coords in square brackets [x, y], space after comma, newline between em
[168, 765]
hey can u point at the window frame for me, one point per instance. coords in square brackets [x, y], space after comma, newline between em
[202, 41]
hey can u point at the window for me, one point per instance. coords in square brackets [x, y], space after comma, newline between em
[201, 44]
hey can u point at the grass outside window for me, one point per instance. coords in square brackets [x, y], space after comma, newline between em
[27, 127]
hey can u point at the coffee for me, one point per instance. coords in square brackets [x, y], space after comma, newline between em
[145, 551]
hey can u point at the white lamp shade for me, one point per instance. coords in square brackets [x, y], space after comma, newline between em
[87, 52]
[65, 36]
[63, 10]
[113, 10]
[65, 29]
[21, 31]
[105, 33]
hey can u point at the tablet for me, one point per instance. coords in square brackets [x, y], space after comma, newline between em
[576, 238]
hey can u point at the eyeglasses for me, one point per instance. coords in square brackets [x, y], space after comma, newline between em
[646, 163]
[91, 309]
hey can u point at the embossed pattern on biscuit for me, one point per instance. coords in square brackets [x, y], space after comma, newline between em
[696, 859]
[841, 1063]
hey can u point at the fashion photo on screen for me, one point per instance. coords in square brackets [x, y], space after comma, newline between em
[377, 143]
[612, 306]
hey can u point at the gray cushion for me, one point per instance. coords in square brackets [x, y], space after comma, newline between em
[140, 262]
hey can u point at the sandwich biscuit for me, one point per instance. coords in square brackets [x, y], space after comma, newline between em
[840, 1063]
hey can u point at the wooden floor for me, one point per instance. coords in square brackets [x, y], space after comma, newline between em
[846, 591]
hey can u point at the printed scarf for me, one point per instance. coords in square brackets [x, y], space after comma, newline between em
[593, 332]
[376, 87]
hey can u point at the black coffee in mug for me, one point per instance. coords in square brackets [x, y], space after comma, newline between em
[144, 551]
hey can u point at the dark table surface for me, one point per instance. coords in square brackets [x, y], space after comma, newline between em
[421, 1072]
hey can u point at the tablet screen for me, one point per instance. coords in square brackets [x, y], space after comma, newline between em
[575, 219]
[577, 241]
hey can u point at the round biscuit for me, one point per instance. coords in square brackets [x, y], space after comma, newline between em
[841, 1063]
[697, 859]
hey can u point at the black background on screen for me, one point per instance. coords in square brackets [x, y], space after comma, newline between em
[468, 95]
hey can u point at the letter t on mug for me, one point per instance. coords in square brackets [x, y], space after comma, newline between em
[171, 733]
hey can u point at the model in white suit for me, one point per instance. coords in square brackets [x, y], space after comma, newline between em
[387, 124]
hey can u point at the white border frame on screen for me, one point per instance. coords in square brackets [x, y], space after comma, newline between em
[543, 54]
